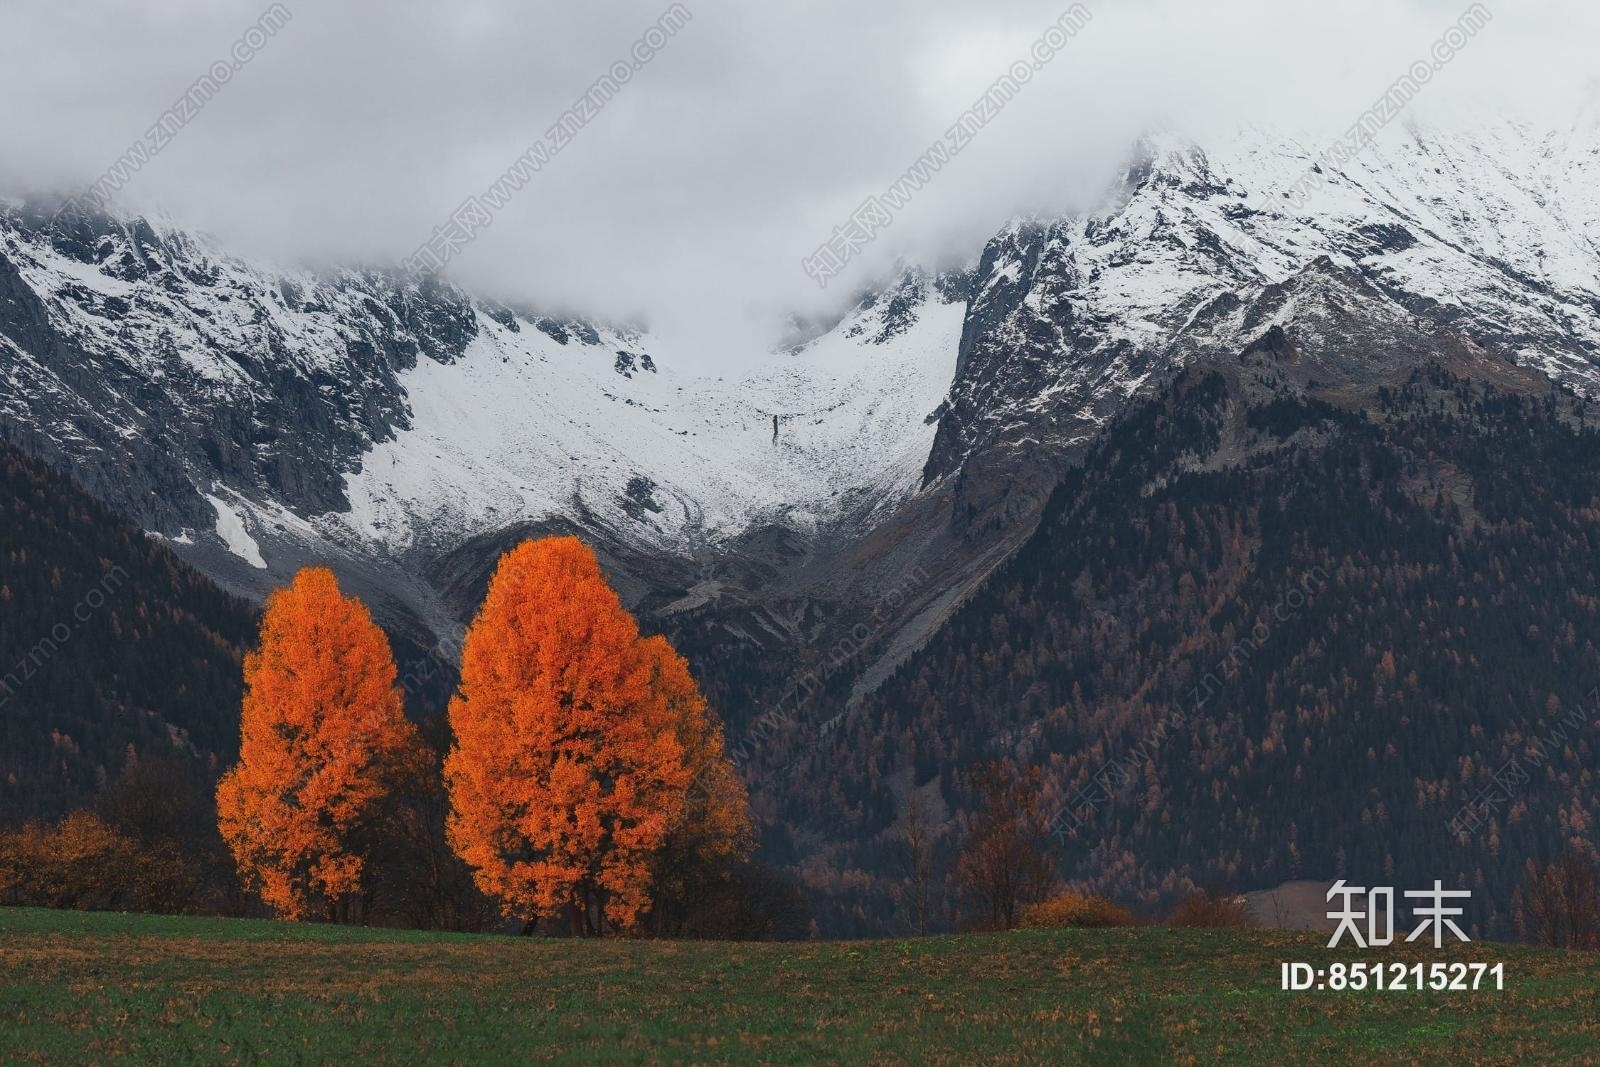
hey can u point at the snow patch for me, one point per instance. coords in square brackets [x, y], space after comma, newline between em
[231, 528]
[523, 428]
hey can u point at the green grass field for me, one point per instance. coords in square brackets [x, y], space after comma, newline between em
[80, 987]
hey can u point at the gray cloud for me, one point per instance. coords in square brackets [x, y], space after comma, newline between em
[691, 198]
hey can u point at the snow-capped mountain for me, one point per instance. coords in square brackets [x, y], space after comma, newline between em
[1490, 232]
[532, 422]
[261, 417]
[258, 417]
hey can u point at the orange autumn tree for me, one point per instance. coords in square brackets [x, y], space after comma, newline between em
[324, 741]
[714, 827]
[576, 746]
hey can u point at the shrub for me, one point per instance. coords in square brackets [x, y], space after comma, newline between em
[1559, 903]
[81, 863]
[1212, 908]
[1074, 909]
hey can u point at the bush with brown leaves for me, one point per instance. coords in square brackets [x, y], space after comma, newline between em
[1075, 909]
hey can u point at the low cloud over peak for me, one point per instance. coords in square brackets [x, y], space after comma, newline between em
[688, 187]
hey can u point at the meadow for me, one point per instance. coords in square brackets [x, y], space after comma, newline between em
[100, 987]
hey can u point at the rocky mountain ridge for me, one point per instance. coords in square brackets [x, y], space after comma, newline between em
[260, 417]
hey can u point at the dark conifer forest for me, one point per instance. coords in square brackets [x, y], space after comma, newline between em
[1263, 634]
[109, 644]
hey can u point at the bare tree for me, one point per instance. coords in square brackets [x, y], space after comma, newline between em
[914, 850]
[1276, 897]
[1559, 904]
[1005, 862]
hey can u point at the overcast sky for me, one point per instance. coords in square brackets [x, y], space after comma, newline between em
[692, 196]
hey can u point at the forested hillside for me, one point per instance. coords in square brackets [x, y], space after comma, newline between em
[1268, 629]
[109, 645]
[1272, 629]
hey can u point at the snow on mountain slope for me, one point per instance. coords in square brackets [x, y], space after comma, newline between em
[525, 428]
[260, 417]
[1489, 231]
[257, 414]
[157, 368]
[1493, 226]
